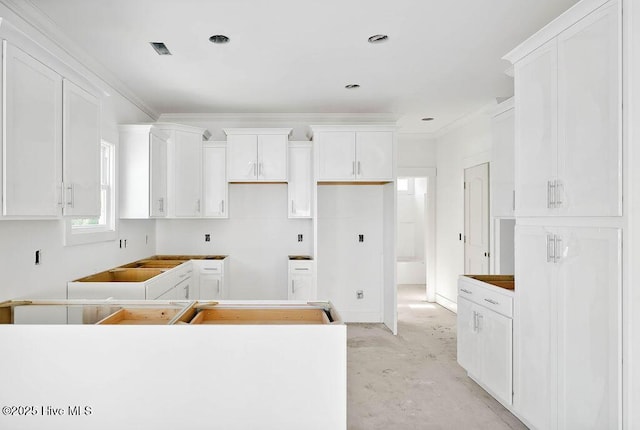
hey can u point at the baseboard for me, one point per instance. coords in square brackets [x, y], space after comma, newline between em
[446, 303]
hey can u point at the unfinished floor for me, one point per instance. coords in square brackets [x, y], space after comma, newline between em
[412, 380]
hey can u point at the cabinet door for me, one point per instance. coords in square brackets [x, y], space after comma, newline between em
[496, 349]
[502, 173]
[336, 156]
[589, 301]
[536, 129]
[215, 182]
[182, 291]
[374, 155]
[211, 287]
[158, 177]
[32, 163]
[466, 336]
[242, 153]
[300, 182]
[589, 107]
[188, 174]
[300, 287]
[81, 151]
[272, 157]
[534, 321]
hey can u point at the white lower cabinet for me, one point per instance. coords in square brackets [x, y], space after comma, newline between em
[300, 280]
[211, 279]
[567, 362]
[485, 337]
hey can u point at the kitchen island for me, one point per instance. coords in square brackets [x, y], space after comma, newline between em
[148, 364]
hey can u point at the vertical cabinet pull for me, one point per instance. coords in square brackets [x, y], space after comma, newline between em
[550, 248]
[161, 204]
[557, 244]
[358, 167]
[218, 287]
[221, 206]
[70, 196]
[293, 288]
[198, 205]
[558, 188]
[255, 169]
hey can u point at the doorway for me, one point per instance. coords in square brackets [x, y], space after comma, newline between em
[415, 252]
[476, 220]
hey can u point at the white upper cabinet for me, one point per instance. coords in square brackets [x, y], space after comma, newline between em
[374, 155]
[336, 155]
[143, 172]
[502, 161]
[354, 155]
[589, 106]
[157, 176]
[32, 144]
[257, 155]
[214, 185]
[184, 169]
[51, 137]
[568, 122]
[300, 179]
[81, 151]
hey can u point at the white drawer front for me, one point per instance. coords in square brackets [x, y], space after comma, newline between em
[491, 297]
[300, 267]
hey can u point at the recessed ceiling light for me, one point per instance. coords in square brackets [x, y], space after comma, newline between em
[352, 86]
[427, 119]
[377, 38]
[160, 48]
[219, 38]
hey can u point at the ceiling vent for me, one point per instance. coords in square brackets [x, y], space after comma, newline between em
[160, 48]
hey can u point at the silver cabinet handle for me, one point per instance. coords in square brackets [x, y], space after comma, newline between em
[198, 205]
[211, 268]
[557, 198]
[61, 194]
[293, 288]
[255, 169]
[260, 169]
[548, 194]
[221, 206]
[475, 321]
[358, 167]
[301, 268]
[161, 204]
[218, 286]
[466, 291]
[70, 195]
[186, 291]
[551, 194]
[557, 244]
[550, 247]
[493, 302]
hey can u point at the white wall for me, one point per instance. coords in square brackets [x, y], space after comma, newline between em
[416, 150]
[19, 240]
[258, 237]
[465, 145]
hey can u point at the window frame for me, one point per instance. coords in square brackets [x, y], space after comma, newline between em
[80, 235]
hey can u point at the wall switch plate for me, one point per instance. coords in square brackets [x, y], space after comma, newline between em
[299, 238]
[361, 238]
[207, 237]
[359, 294]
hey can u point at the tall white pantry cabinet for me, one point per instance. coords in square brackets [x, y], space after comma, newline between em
[568, 207]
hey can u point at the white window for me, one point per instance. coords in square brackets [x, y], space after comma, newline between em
[102, 228]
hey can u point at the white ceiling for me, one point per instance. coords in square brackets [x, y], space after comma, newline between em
[442, 58]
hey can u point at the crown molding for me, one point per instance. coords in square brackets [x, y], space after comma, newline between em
[34, 21]
[486, 110]
[316, 118]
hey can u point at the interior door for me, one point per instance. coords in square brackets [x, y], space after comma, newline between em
[476, 219]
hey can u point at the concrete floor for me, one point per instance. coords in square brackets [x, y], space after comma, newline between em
[412, 380]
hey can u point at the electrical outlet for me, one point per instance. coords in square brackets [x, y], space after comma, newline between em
[207, 237]
[359, 294]
[299, 238]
